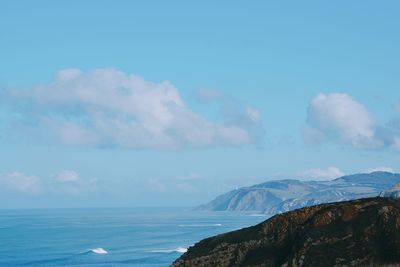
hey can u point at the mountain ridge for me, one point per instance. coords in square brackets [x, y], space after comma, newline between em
[278, 196]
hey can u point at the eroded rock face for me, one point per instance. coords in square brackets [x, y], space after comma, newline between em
[353, 233]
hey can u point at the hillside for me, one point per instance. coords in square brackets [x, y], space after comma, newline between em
[393, 192]
[364, 232]
[284, 195]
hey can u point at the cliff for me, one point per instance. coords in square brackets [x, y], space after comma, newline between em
[360, 232]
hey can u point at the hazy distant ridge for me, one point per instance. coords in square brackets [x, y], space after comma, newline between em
[284, 195]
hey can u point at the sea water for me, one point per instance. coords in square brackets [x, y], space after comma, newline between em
[110, 236]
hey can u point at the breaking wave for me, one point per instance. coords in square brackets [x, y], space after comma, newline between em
[96, 251]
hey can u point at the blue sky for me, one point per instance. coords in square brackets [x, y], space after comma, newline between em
[159, 103]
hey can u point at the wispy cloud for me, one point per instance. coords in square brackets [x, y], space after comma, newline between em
[106, 107]
[68, 176]
[208, 94]
[65, 182]
[156, 185]
[234, 112]
[186, 184]
[23, 183]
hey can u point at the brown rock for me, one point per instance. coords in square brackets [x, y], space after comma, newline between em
[362, 232]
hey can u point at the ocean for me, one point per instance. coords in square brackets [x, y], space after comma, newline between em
[109, 236]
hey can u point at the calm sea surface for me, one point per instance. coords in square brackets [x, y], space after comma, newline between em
[108, 237]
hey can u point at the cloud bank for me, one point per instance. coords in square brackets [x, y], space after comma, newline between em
[380, 169]
[340, 118]
[66, 181]
[106, 107]
[19, 182]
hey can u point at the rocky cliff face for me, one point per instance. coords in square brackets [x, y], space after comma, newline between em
[363, 232]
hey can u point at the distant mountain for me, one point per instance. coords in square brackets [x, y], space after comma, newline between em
[284, 195]
[364, 232]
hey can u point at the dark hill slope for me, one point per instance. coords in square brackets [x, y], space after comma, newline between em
[353, 233]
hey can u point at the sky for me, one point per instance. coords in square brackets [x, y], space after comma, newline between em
[170, 103]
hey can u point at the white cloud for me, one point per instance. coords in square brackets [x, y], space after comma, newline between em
[71, 133]
[347, 121]
[107, 107]
[321, 174]
[235, 113]
[68, 74]
[341, 117]
[20, 182]
[380, 168]
[69, 181]
[68, 176]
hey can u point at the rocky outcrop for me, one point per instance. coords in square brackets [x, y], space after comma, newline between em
[364, 232]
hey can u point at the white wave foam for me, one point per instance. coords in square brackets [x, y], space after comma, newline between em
[98, 251]
[178, 249]
[201, 225]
